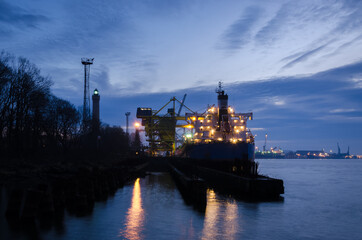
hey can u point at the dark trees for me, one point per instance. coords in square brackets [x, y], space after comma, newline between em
[29, 115]
[61, 124]
[136, 144]
[35, 123]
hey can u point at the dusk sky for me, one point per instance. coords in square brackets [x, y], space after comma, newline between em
[296, 64]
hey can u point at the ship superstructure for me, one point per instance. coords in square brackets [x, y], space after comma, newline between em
[220, 124]
[220, 136]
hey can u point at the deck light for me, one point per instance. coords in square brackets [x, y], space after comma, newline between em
[137, 125]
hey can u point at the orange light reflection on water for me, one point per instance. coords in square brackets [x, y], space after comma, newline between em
[135, 215]
[221, 218]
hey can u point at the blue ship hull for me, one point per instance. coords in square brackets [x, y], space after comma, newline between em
[220, 151]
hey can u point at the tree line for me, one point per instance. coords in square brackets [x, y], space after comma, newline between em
[35, 123]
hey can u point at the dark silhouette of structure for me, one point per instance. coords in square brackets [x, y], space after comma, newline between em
[86, 101]
[95, 98]
[127, 116]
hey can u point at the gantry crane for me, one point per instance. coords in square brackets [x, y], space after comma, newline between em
[160, 129]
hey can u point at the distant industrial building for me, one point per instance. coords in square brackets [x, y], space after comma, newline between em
[322, 154]
[311, 154]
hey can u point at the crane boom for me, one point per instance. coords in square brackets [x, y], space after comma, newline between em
[182, 104]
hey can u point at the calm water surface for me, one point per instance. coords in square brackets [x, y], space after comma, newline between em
[322, 200]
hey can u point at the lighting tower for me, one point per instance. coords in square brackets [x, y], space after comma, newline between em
[127, 115]
[86, 101]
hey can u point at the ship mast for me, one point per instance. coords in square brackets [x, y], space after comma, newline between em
[222, 100]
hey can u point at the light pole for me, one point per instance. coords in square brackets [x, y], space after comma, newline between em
[127, 115]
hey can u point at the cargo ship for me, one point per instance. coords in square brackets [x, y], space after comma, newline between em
[220, 138]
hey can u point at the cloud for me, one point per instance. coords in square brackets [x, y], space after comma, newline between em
[343, 110]
[351, 19]
[342, 47]
[18, 17]
[239, 33]
[357, 82]
[270, 31]
[303, 56]
[101, 81]
[257, 129]
[309, 21]
[340, 119]
[140, 75]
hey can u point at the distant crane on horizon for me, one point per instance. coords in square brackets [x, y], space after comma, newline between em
[264, 147]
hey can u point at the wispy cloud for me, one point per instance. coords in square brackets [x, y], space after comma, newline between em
[341, 47]
[18, 17]
[257, 129]
[352, 17]
[304, 56]
[341, 119]
[101, 81]
[357, 82]
[239, 33]
[270, 32]
[343, 110]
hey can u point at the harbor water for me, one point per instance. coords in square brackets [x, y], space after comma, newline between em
[322, 200]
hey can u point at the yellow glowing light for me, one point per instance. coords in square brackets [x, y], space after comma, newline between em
[193, 118]
[135, 215]
[237, 130]
[219, 139]
[137, 125]
[231, 110]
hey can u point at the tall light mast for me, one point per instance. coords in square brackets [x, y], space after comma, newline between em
[86, 101]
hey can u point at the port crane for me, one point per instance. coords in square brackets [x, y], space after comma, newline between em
[264, 147]
[160, 128]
